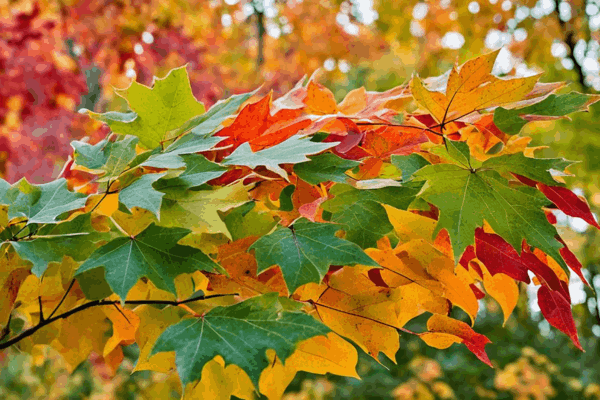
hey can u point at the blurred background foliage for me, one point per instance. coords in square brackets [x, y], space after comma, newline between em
[57, 56]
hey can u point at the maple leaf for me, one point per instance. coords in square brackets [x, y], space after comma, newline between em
[317, 355]
[472, 87]
[292, 151]
[240, 333]
[221, 382]
[13, 272]
[255, 123]
[141, 194]
[172, 157]
[353, 307]
[154, 253]
[468, 195]
[40, 203]
[304, 252]
[158, 110]
[77, 238]
[198, 171]
[324, 167]
[419, 262]
[106, 158]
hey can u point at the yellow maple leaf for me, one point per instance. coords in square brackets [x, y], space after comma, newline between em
[472, 87]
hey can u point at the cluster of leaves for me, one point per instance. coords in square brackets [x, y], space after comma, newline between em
[274, 231]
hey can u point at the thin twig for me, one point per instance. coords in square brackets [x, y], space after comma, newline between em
[63, 298]
[42, 319]
[97, 303]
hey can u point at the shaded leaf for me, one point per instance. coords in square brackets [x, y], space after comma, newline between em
[154, 253]
[41, 203]
[324, 167]
[240, 333]
[141, 194]
[305, 251]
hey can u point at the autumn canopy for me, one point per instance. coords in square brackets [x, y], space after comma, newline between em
[264, 236]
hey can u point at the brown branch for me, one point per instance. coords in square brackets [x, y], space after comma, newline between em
[63, 298]
[28, 332]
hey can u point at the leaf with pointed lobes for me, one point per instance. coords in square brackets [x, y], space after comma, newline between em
[498, 256]
[198, 171]
[107, 157]
[154, 253]
[467, 195]
[324, 167]
[471, 88]
[158, 110]
[569, 203]
[292, 151]
[552, 107]
[318, 355]
[41, 204]
[557, 311]
[445, 331]
[141, 194]
[241, 334]
[355, 308]
[255, 123]
[220, 382]
[76, 237]
[305, 251]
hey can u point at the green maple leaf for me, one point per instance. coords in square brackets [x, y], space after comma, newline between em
[197, 210]
[241, 334]
[41, 204]
[361, 214]
[141, 194]
[324, 167]
[172, 157]
[305, 251]
[198, 171]
[292, 151]
[76, 238]
[467, 196]
[158, 110]
[552, 107]
[111, 158]
[154, 254]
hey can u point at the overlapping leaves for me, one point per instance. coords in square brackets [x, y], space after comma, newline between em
[383, 216]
